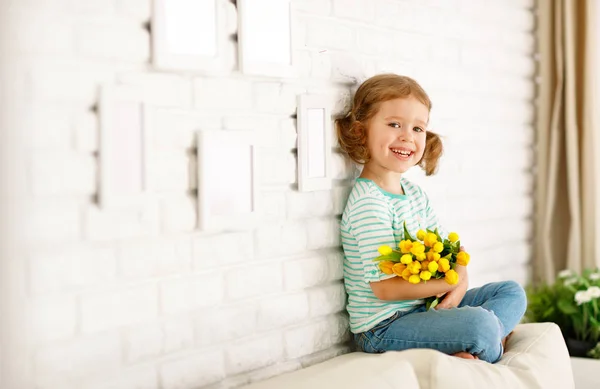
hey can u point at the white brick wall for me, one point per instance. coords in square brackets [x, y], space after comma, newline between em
[140, 299]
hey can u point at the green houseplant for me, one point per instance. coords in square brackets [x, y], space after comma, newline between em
[572, 302]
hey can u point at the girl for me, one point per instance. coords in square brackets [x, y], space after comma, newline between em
[386, 131]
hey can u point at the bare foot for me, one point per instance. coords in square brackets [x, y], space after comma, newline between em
[504, 341]
[465, 355]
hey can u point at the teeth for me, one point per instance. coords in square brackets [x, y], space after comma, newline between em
[402, 152]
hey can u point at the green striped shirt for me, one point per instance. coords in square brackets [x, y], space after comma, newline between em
[374, 217]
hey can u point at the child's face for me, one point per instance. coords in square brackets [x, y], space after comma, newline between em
[396, 134]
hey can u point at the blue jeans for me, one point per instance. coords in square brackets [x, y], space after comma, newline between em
[477, 326]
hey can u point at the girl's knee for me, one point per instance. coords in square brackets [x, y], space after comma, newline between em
[517, 293]
[485, 329]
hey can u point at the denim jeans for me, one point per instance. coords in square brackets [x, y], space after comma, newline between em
[477, 326]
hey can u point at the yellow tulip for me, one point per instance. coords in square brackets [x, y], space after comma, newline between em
[421, 234]
[417, 248]
[406, 259]
[414, 279]
[425, 275]
[463, 258]
[420, 257]
[438, 247]
[386, 267]
[430, 239]
[432, 256]
[432, 267]
[444, 265]
[424, 265]
[451, 277]
[406, 274]
[385, 250]
[405, 246]
[398, 268]
[414, 267]
[453, 237]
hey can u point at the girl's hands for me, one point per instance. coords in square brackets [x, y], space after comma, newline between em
[455, 296]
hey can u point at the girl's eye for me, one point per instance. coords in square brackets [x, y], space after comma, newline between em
[418, 129]
[394, 125]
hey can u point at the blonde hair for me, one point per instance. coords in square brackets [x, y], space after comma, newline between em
[352, 126]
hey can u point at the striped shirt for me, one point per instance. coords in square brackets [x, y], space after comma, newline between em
[374, 217]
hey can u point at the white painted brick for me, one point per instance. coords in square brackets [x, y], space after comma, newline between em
[225, 324]
[143, 342]
[86, 132]
[170, 172]
[320, 64]
[138, 9]
[67, 80]
[318, 7]
[55, 220]
[323, 234]
[61, 173]
[276, 97]
[309, 204]
[301, 63]
[327, 300]
[222, 249]
[276, 167]
[317, 336]
[329, 34]
[398, 15]
[113, 41]
[354, 9]
[265, 128]
[309, 271]
[162, 257]
[193, 371]
[176, 129]
[325, 355]
[179, 295]
[222, 93]
[166, 90]
[70, 268]
[253, 280]
[104, 225]
[95, 7]
[282, 311]
[54, 318]
[38, 32]
[253, 354]
[80, 357]
[178, 213]
[340, 197]
[289, 135]
[112, 309]
[178, 334]
[49, 126]
[272, 206]
[139, 377]
[276, 239]
[374, 42]
[342, 167]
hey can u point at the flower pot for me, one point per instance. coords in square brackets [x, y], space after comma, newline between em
[579, 348]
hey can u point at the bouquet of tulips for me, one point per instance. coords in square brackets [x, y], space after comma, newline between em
[424, 258]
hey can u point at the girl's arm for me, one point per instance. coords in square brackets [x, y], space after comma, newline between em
[397, 288]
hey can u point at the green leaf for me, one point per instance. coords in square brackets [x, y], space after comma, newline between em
[436, 232]
[394, 257]
[566, 307]
[432, 304]
[407, 234]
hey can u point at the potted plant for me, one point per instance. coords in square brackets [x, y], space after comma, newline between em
[572, 302]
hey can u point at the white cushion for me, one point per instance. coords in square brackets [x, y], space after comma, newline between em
[536, 357]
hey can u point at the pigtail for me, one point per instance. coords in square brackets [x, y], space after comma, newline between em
[352, 137]
[431, 155]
